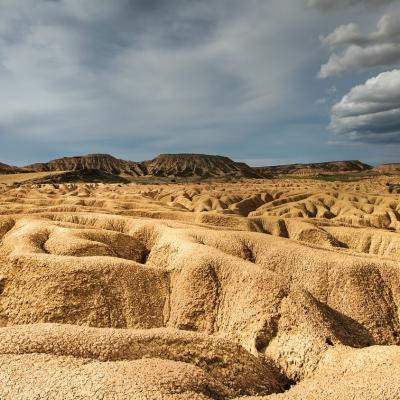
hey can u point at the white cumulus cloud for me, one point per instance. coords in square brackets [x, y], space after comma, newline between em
[371, 111]
[380, 48]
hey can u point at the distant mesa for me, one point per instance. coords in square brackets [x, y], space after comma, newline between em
[198, 165]
[331, 167]
[101, 162]
[164, 165]
[181, 167]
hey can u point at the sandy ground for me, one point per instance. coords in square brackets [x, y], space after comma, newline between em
[9, 179]
[263, 289]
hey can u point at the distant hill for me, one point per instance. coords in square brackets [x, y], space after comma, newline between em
[181, 167]
[393, 168]
[330, 167]
[101, 162]
[9, 169]
[197, 165]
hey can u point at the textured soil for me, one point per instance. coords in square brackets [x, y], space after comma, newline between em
[263, 289]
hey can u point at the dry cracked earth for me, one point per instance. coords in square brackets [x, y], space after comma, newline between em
[267, 289]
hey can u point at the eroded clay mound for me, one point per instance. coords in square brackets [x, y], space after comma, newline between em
[343, 373]
[215, 362]
[55, 377]
[198, 292]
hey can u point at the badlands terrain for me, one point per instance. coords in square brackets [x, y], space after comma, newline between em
[283, 288]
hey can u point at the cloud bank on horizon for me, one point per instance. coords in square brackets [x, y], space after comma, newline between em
[138, 77]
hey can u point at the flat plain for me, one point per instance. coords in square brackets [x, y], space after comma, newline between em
[260, 289]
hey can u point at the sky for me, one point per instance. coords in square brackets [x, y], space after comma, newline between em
[262, 81]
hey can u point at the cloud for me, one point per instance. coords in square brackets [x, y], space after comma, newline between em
[357, 58]
[370, 112]
[337, 4]
[136, 77]
[344, 34]
[388, 30]
[380, 48]
[133, 71]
